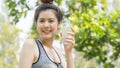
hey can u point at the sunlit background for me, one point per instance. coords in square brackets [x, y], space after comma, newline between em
[96, 24]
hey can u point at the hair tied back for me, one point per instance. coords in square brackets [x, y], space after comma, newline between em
[46, 1]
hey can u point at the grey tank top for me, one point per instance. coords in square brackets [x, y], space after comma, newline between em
[43, 60]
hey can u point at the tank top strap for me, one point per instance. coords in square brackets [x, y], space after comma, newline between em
[59, 65]
[57, 54]
[38, 45]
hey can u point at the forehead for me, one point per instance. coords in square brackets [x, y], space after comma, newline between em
[49, 13]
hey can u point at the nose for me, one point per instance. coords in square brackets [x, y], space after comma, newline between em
[46, 24]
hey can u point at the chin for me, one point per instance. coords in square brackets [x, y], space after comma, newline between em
[47, 37]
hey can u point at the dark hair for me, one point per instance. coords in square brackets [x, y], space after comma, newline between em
[46, 6]
[46, 1]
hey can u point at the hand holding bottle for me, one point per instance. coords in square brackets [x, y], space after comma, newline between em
[67, 36]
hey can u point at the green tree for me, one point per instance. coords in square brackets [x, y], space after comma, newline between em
[8, 46]
[9, 42]
[97, 30]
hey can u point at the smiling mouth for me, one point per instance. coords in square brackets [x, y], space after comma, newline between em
[46, 31]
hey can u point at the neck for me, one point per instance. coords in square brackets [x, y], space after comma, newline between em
[47, 42]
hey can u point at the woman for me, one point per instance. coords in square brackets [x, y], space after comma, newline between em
[40, 53]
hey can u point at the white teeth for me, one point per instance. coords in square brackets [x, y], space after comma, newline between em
[47, 31]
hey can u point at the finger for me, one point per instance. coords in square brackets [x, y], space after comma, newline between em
[71, 34]
[69, 38]
[70, 42]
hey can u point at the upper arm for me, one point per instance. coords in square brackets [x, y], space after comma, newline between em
[27, 55]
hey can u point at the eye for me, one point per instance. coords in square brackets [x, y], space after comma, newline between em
[41, 21]
[51, 21]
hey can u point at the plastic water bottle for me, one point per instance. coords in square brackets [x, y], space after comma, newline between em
[66, 27]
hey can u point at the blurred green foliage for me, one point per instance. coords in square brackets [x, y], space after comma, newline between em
[8, 46]
[96, 30]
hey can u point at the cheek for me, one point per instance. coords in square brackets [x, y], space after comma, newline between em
[55, 27]
[38, 26]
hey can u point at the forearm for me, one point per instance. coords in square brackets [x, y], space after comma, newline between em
[70, 61]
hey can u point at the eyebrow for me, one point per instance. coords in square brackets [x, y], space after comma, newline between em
[44, 18]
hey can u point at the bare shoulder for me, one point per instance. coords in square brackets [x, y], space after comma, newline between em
[29, 42]
[27, 54]
[28, 46]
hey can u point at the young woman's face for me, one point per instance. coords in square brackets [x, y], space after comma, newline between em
[47, 24]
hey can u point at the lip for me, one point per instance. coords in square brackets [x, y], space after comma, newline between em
[46, 31]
